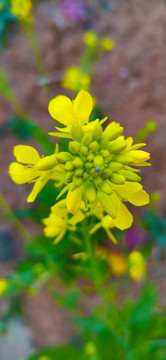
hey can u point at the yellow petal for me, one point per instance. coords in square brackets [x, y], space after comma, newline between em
[26, 154]
[139, 155]
[74, 199]
[79, 216]
[39, 184]
[51, 231]
[21, 174]
[107, 222]
[83, 105]
[124, 218]
[127, 189]
[61, 109]
[139, 198]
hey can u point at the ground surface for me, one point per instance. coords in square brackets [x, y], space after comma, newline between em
[138, 29]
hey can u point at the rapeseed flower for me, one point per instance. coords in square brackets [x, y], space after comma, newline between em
[75, 79]
[22, 9]
[59, 221]
[68, 113]
[137, 265]
[99, 170]
[117, 262]
[3, 286]
[31, 168]
[99, 164]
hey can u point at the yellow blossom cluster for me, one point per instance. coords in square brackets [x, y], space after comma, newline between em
[91, 39]
[22, 9]
[76, 79]
[119, 264]
[98, 172]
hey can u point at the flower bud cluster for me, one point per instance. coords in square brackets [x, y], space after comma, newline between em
[98, 159]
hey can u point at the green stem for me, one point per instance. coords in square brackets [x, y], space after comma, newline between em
[96, 274]
[9, 214]
[30, 31]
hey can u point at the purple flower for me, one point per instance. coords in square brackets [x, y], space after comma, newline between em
[74, 10]
[134, 237]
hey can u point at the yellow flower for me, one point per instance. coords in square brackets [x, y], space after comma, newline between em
[22, 9]
[137, 265]
[99, 168]
[59, 222]
[106, 43]
[3, 286]
[75, 79]
[69, 113]
[116, 261]
[90, 38]
[35, 169]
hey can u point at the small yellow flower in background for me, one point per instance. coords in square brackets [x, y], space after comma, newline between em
[35, 169]
[75, 79]
[90, 349]
[137, 265]
[106, 43]
[116, 261]
[22, 9]
[90, 38]
[3, 286]
[59, 222]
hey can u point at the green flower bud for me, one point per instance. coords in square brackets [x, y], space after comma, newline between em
[106, 187]
[79, 172]
[85, 176]
[97, 132]
[87, 139]
[117, 146]
[113, 131]
[107, 203]
[63, 157]
[77, 162]
[69, 166]
[106, 173]
[104, 153]
[84, 150]
[90, 157]
[68, 177]
[115, 166]
[88, 165]
[74, 147]
[47, 163]
[104, 142]
[94, 146]
[117, 178]
[77, 180]
[94, 173]
[77, 132]
[124, 159]
[130, 176]
[90, 191]
[98, 160]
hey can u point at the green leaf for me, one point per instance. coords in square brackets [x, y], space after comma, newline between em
[66, 352]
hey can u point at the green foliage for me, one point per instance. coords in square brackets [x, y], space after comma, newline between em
[7, 20]
[67, 352]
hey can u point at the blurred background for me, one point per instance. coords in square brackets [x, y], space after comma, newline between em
[129, 84]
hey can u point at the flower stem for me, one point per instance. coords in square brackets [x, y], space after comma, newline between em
[9, 214]
[30, 31]
[96, 274]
